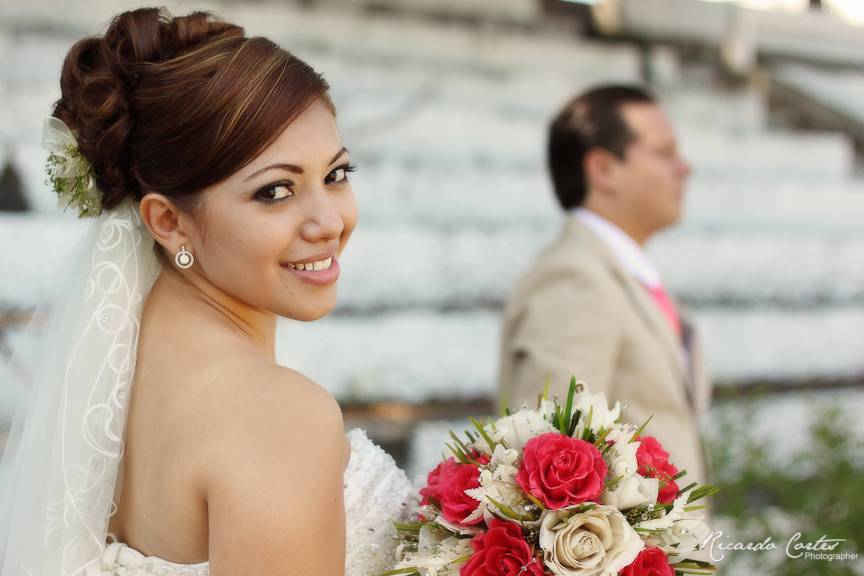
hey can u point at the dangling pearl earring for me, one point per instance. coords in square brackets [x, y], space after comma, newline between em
[184, 258]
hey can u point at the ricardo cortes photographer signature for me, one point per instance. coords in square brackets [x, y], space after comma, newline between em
[822, 549]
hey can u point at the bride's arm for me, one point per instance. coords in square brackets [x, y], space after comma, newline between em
[274, 479]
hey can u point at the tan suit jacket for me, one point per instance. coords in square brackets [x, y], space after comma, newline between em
[578, 312]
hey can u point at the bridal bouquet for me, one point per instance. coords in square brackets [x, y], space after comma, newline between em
[568, 490]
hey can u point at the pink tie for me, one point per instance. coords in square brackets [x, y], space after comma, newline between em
[667, 307]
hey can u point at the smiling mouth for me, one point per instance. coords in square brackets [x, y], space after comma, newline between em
[315, 266]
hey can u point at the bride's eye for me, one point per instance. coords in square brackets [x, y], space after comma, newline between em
[340, 174]
[276, 192]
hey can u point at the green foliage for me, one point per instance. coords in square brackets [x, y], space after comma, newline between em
[818, 490]
[71, 176]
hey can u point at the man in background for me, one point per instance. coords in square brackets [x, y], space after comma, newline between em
[593, 305]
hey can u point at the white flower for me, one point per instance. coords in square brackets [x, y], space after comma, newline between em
[621, 458]
[630, 489]
[456, 529]
[665, 522]
[546, 409]
[678, 532]
[503, 457]
[681, 539]
[438, 553]
[621, 433]
[634, 490]
[518, 428]
[688, 533]
[597, 542]
[598, 407]
[498, 483]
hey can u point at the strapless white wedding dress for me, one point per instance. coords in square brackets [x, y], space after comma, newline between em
[376, 493]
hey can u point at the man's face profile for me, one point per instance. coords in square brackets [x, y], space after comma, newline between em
[650, 179]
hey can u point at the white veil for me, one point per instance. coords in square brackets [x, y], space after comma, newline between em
[60, 466]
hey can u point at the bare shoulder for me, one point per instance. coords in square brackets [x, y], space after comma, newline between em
[252, 406]
[250, 381]
[276, 446]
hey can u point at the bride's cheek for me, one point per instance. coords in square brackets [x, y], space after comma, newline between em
[349, 221]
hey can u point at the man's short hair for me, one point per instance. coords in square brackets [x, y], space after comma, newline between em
[591, 120]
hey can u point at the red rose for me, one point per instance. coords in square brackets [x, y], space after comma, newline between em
[502, 551]
[654, 462]
[561, 471]
[446, 486]
[649, 562]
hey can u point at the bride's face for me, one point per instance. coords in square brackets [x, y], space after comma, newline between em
[272, 233]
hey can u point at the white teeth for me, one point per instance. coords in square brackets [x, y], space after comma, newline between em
[312, 266]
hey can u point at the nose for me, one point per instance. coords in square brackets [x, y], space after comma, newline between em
[324, 220]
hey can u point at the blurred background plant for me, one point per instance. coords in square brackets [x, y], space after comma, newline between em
[767, 491]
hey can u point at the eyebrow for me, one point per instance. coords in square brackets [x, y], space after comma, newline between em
[291, 167]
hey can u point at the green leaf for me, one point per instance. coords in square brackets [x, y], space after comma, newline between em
[535, 500]
[587, 431]
[641, 428]
[703, 491]
[410, 571]
[689, 566]
[461, 457]
[601, 437]
[611, 483]
[407, 526]
[686, 488]
[568, 407]
[480, 428]
[462, 446]
[574, 422]
[509, 512]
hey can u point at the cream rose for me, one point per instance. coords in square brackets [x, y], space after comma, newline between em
[597, 542]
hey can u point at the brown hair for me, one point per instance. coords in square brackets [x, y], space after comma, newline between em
[591, 120]
[176, 104]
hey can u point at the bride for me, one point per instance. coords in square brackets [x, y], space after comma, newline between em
[159, 435]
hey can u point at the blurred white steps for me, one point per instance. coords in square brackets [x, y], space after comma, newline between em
[410, 266]
[416, 356]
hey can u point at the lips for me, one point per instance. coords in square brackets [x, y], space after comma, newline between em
[320, 270]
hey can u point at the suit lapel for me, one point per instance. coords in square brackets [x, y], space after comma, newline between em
[640, 300]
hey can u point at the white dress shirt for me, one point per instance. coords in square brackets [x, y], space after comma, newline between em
[629, 253]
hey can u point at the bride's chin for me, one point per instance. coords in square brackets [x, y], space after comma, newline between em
[311, 311]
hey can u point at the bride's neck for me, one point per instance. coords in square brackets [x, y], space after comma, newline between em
[254, 324]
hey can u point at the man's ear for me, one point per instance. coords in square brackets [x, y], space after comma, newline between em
[166, 222]
[599, 165]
